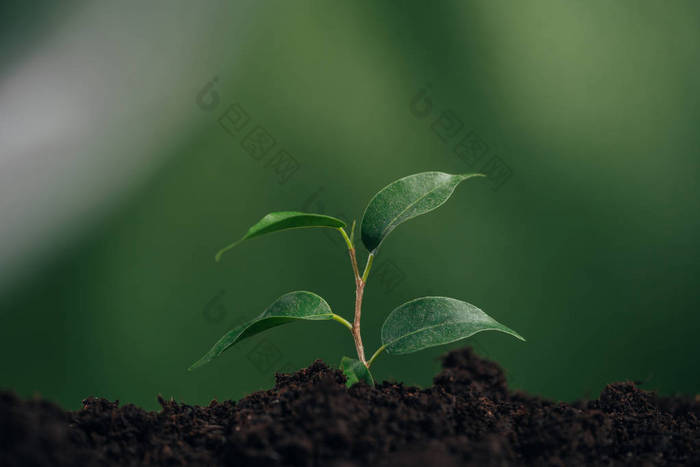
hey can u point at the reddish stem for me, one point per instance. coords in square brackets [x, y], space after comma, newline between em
[359, 291]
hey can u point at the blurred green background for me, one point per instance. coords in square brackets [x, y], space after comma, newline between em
[589, 249]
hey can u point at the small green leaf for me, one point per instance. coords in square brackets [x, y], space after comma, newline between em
[430, 321]
[405, 199]
[290, 307]
[284, 220]
[355, 371]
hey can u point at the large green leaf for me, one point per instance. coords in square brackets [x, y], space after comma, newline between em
[405, 199]
[430, 321]
[355, 371]
[289, 307]
[284, 220]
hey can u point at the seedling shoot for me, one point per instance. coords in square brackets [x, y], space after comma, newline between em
[416, 325]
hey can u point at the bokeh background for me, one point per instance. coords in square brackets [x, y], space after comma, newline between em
[118, 184]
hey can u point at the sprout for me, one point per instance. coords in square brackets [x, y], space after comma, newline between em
[415, 325]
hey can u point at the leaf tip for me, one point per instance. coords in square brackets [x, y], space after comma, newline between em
[199, 363]
[517, 336]
[222, 251]
[471, 175]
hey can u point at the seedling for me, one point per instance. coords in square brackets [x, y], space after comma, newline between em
[415, 325]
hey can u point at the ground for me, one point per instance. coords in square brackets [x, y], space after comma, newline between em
[468, 417]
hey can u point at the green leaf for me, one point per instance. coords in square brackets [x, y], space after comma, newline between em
[290, 307]
[430, 321]
[284, 220]
[405, 199]
[355, 371]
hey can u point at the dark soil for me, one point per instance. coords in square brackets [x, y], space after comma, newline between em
[468, 417]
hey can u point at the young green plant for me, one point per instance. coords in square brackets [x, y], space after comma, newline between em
[415, 325]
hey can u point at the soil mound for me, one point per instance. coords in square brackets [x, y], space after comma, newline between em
[309, 418]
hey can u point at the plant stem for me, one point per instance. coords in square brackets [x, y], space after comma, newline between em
[348, 242]
[376, 354]
[342, 321]
[351, 252]
[368, 266]
[359, 291]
